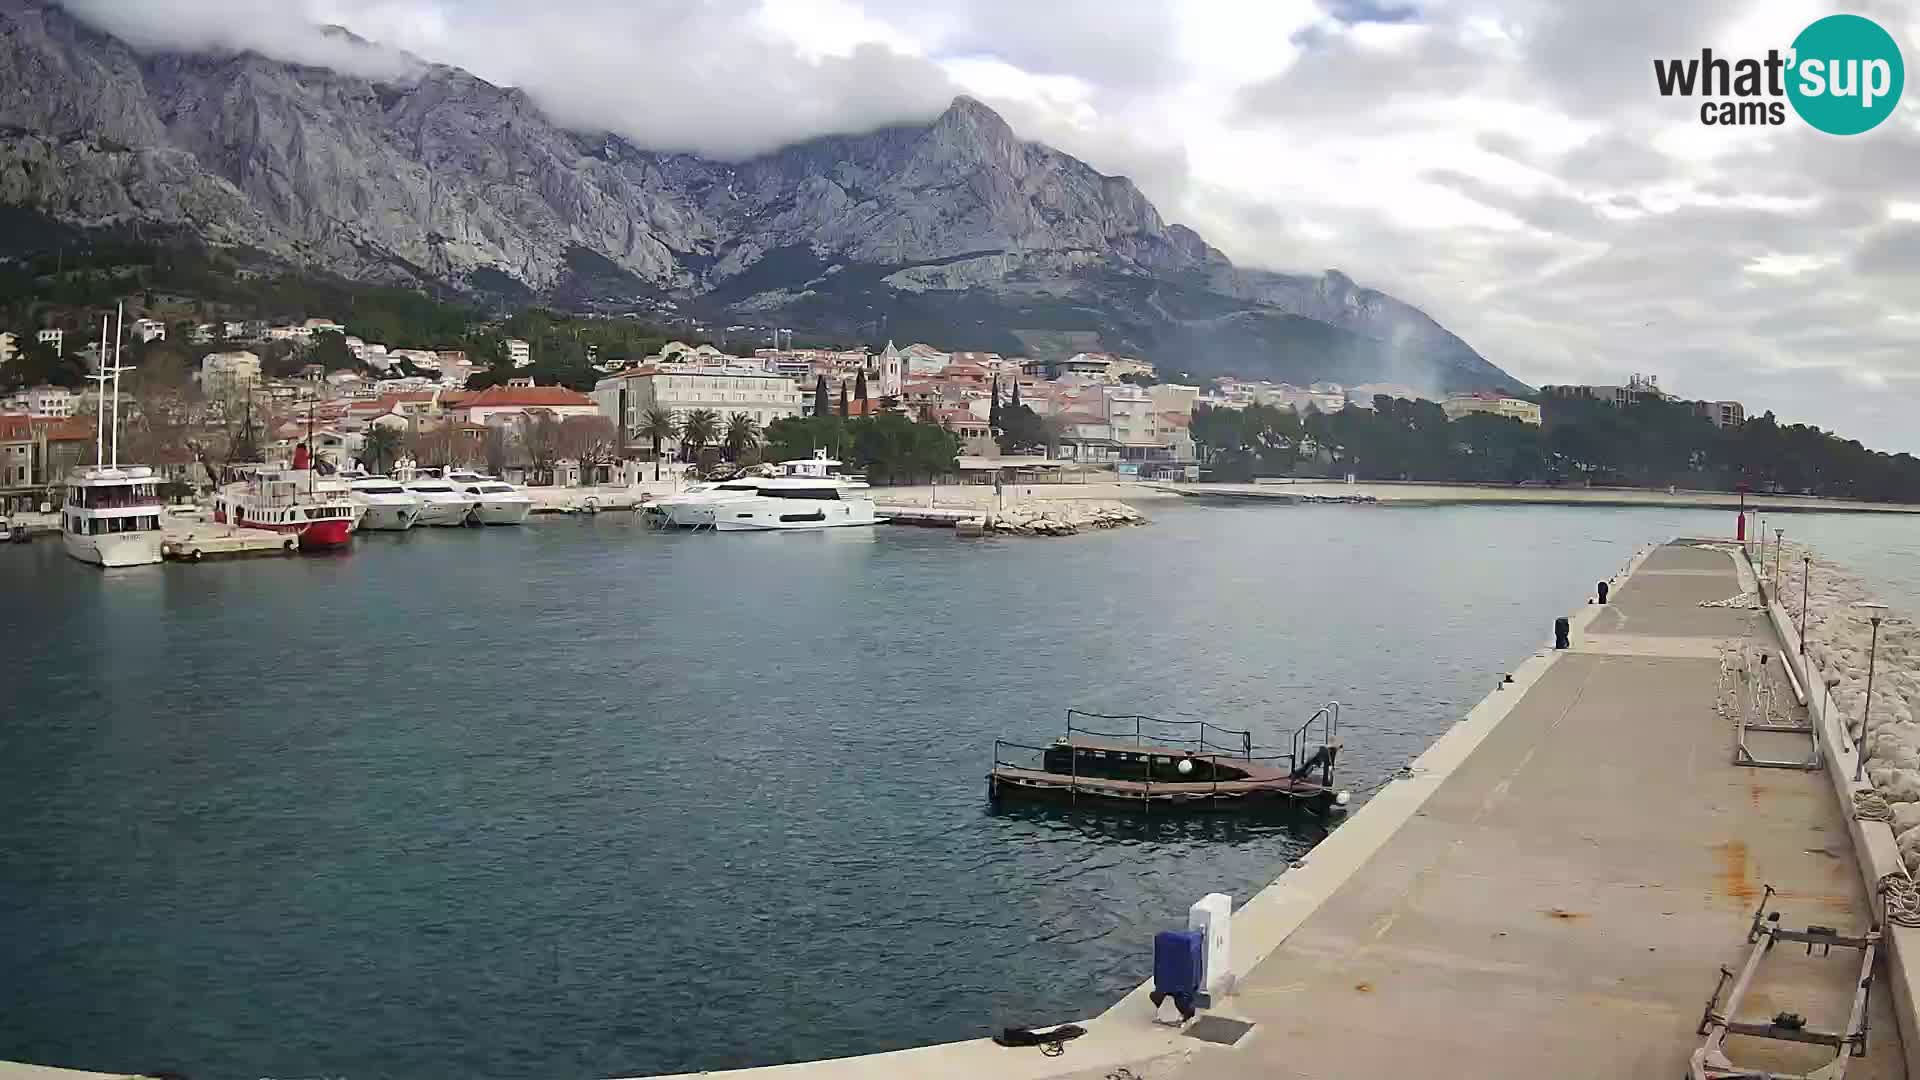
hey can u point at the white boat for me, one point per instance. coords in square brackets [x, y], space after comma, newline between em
[694, 507]
[792, 502]
[112, 516]
[440, 502]
[384, 505]
[112, 511]
[495, 502]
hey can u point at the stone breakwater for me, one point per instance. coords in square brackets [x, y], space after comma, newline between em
[1838, 638]
[1060, 518]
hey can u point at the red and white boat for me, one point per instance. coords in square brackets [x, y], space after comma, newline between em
[317, 514]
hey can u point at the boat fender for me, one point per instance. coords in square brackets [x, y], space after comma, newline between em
[290, 545]
[194, 555]
[1185, 766]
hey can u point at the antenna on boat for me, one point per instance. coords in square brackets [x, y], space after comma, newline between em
[119, 329]
[100, 420]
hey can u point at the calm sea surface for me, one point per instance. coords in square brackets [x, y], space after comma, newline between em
[581, 800]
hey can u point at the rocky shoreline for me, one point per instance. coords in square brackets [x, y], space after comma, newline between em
[1054, 519]
[1838, 638]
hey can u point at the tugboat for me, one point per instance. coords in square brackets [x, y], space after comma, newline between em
[1183, 765]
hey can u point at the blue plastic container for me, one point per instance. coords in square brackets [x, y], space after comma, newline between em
[1177, 959]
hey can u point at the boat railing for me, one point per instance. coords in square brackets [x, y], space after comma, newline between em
[1326, 722]
[1202, 737]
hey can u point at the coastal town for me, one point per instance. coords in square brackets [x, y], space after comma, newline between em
[356, 403]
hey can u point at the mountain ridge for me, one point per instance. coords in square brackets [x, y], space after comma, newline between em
[956, 227]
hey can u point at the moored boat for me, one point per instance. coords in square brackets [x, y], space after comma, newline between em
[111, 516]
[384, 505]
[316, 516]
[1174, 765]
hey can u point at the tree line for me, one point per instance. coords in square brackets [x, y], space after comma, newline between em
[1649, 443]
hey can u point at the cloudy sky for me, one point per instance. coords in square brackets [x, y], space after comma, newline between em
[1504, 164]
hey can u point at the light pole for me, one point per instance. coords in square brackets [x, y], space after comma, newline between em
[1806, 572]
[1777, 534]
[1873, 647]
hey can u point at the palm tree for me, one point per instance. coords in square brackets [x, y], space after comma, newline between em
[699, 429]
[658, 425]
[743, 434]
[382, 446]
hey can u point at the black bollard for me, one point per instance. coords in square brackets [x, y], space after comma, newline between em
[1603, 592]
[1562, 630]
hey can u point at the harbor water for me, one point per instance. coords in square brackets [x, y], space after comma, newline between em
[579, 799]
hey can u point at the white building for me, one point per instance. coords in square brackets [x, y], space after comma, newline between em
[45, 402]
[55, 338]
[233, 331]
[519, 353]
[726, 389]
[1459, 405]
[519, 399]
[228, 375]
[149, 330]
[8, 346]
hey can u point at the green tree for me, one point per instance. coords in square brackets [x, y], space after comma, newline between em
[793, 437]
[329, 350]
[698, 431]
[860, 390]
[382, 447]
[820, 404]
[843, 401]
[743, 435]
[657, 426]
[993, 408]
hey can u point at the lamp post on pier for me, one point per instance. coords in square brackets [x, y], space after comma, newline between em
[1806, 572]
[1777, 534]
[1866, 708]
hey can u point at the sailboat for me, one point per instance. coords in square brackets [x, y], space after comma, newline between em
[112, 511]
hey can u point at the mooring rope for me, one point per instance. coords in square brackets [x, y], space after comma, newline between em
[1902, 899]
[1870, 805]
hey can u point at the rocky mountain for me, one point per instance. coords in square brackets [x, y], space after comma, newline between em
[954, 231]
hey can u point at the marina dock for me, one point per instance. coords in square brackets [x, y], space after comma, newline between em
[1551, 889]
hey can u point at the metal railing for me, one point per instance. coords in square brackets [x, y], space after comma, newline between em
[1302, 746]
[1242, 745]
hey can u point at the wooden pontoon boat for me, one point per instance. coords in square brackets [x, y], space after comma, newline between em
[1185, 765]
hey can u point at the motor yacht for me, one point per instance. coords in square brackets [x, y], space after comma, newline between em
[384, 504]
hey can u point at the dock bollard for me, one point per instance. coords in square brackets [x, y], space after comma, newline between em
[1562, 630]
[1602, 588]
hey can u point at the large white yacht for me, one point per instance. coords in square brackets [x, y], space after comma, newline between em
[807, 494]
[112, 511]
[440, 502]
[495, 502]
[385, 505]
[791, 502]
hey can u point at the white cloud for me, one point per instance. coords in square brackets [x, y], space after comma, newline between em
[1505, 164]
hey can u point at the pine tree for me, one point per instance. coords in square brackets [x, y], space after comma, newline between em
[860, 390]
[843, 401]
[820, 396]
[993, 411]
[1015, 402]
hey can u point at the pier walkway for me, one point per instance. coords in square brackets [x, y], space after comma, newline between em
[1561, 902]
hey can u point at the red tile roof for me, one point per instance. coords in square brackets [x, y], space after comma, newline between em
[15, 427]
[520, 397]
[71, 429]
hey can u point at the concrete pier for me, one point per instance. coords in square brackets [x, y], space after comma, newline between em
[1550, 889]
[1561, 903]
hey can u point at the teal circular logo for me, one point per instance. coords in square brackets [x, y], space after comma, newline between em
[1846, 74]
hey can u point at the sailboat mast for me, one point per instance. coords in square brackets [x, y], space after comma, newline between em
[100, 420]
[119, 328]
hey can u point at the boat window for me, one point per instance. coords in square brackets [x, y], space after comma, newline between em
[738, 487]
[817, 515]
[495, 489]
[802, 493]
[743, 515]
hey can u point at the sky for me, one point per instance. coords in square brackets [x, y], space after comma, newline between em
[1506, 165]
